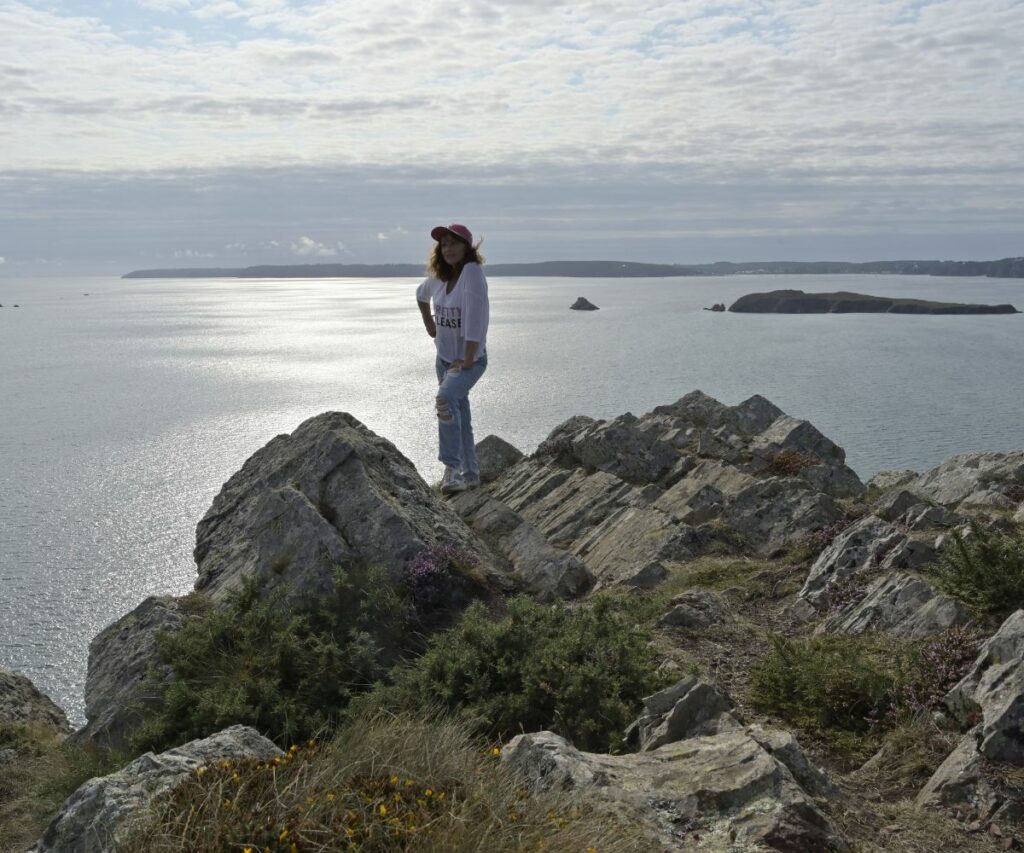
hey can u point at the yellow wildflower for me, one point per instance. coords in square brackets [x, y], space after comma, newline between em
[247, 850]
[330, 798]
[234, 776]
[429, 792]
[227, 804]
[383, 809]
[200, 771]
[394, 780]
[294, 848]
[441, 795]
[496, 751]
[283, 835]
[293, 748]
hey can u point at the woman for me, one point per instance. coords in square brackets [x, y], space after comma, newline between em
[458, 325]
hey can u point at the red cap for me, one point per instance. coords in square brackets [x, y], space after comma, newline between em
[460, 231]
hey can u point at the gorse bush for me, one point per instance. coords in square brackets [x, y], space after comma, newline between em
[848, 691]
[579, 671]
[287, 671]
[383, 784]
[985, 569]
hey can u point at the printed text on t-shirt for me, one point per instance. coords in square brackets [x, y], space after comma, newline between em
[450, 318]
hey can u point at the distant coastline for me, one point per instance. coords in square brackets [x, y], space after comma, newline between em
[1005, 268]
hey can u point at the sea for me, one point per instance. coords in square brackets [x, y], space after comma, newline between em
[126, 404]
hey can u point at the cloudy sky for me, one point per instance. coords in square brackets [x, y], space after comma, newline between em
[149, 133]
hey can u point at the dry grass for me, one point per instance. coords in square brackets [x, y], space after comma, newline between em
[385, 784]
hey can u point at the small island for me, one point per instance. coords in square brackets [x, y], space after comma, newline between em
[583, 304]
[798, 302]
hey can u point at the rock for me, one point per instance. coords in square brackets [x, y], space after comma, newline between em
[993, 690]
[688, 708]
[21, 702]
[103, 812]
[900, 605]
[582, 304]
[928, 518]
[883, 481]
[620, 448]
[545, 572]
[860, 547]
[975, 476]
[726, 786]
[120, 658]
[894, 504]
[495, 456]
[329, 494]
[694, 609]
[1018, 516]
[959, 779]
[648, 577]
[771, 514]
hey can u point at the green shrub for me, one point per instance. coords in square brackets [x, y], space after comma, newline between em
[985, 569]
[287, 671]
[578, 671]
[833, 687]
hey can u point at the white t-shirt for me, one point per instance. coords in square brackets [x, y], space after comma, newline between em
[461, 315]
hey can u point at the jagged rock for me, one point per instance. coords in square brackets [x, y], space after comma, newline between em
[688, 708]
[883, 481]
[619, 448]
[993, 691]
[648, 577]
[546, 573]
[727, 786]
[930, 517]
[783, 746]
[583, 304]
[22, 702]
[974, 477]
[329, 494]
[495, 456]
[790, 434]
[1018, 516]
[959, 779]
[694, 609]
[101, 813]
[900, 605]
[771, 514]
[893, 505]
[863, 545]
[120, 658]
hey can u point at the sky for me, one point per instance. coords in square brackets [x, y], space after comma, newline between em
[183, 133]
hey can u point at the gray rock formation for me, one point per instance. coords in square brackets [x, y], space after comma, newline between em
[993, 691]
[104, 811]
[978, 479]
[900, 605]
[545, 572]
[330, 493]
[21, 702]
[694, 610]
[689, 708]
[894, 504]
[883, 481]
[858, 548]
[583, 304]
[734, 790]
[495, 456]
[120, 659]
[960, 779]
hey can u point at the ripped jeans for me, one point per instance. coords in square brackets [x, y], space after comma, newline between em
[454, 424]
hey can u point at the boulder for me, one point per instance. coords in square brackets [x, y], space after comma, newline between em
[688, 708]
[329, 494]
[860, 547]
[724, 791]
[1018, 516]
[694, 610]
[883, 481]
[22, 703]
[899, 605]
[959, 779]
[993, 692]
[648, 577]
[621, 449]
[930, 517]
[121, 657]
[104, 811]
[894, 504]
[974, 477]
[771, 514]
[495, 456]
[545, 572]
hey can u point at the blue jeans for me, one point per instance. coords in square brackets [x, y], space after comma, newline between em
[456, 430]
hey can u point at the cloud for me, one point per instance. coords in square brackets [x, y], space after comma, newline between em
[382, 236]
[308, 247]
[3, 260]
[192, 253]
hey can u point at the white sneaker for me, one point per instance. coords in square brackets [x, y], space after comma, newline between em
[451, 482]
